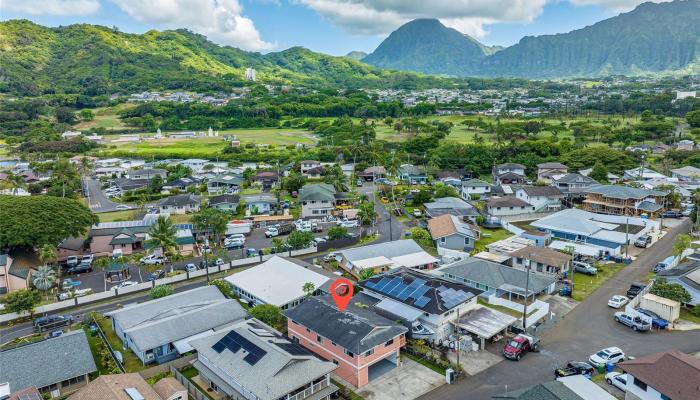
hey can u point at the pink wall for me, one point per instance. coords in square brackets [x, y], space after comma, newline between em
[351, 369]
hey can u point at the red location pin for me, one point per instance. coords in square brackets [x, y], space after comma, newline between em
[341, 291]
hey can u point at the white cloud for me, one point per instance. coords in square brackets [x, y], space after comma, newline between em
[51, 7]
[379, 17]
[220, 20]
[615, 5]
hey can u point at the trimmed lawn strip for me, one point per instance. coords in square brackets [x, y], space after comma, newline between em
[424, 363]
[502, 309]
[131, 362]
[584, 285]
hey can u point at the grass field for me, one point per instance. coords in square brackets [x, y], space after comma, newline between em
[586, 284]
[489, 236]
[106, 117]
[122, 215]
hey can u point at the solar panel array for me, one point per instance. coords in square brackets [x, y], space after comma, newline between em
[451, 297]
[293, 348]
[234, 342]
[395, 287]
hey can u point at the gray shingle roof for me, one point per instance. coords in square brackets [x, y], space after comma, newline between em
[179, 200]
[496, 275]
[624, 192]
[317, 192]
[274, 375]
[543, 191]
[475, 183]
[551, 165]
[450, 205]
[168, 319]
[224, 198]
[553, 390]
[357, 329]
[47, 362]
[576, 178]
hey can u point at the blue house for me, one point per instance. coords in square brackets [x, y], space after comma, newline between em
[412, 174]
[158, 331]
[257, 204]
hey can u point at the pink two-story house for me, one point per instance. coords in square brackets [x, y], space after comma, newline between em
[362, 343]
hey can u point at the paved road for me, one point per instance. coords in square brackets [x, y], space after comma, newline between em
[97, 200]
[586, 329]
[389, 228]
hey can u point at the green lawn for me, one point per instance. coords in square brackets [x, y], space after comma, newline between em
[94, 342]
[131, 362]
[424, 363]
[502, 309]
[586, 284]
[106, 117]
[191, 372]
[122, 215]
[686, 315]
[489, 236]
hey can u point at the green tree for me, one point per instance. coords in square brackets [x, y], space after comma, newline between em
[599, 172]
[334, 175]
[294, 182]
[64, 178]
[44, 278]
[37, 220]
[693, 118]
[300, 240]
[65, 115]
[366, 212]
[421, 197]
[163, 234]
[445, 191]
[159, 291]
[156, 184]
[422, 237]
[277, 244]
[87, 115]
[671, 291]
[337, 232]
[366, 273]
[211, 220]
[20, 301]
[270, 315]
[682, 243]
[13, 182]
[309, 288]
[47, 254]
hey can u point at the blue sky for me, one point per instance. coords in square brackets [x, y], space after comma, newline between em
[329, 26]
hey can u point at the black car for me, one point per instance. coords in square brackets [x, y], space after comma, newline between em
[156, 275]
[80, 269]
[634, 289]
[671, 214]
[574, 368]
[51, 322]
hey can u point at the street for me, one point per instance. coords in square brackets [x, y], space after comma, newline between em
[588, 328]
[97, 200]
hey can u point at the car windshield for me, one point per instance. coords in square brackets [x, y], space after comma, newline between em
[602, 355]
[515, 344]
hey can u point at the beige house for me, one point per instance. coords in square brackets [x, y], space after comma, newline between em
[12, 277]
[129, 387]
[125, 236]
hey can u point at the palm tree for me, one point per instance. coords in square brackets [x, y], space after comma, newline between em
[47, 254]
[163, 234]
[14, 182]
[44, 278]
[682, 243]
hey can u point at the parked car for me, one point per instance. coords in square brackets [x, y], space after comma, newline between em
[574, 368]
[51, 322]
[617, 301]
[359, 182]
[157, 274]
[635, 289]
[417, 213]
[72, 261]
[584, 268]
[234, 244]
[152, 259]
[279, 229]
[205, 249]
[643, 241]
[671, 214]
[519, 345]
[251, 252]
[190, 267]
[656, 320]
[330, 257]
[218, 262]
[319, 240]
[87, 259]
[636, 322]
[126, 284]
[617, 379]
[608, 355]
[80, 269]
[123, 207]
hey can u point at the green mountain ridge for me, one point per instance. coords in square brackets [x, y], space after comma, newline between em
[95, 60]
[356, 55]
[653, 38]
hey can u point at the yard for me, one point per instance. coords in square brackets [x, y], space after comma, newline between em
[686, 315]
[489, 236]
[122, 215]
[587, 284]
[190, 373]
[131, 362]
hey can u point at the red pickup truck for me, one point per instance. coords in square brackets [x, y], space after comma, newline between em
[515, 348]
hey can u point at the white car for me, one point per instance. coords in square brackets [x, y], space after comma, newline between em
[123, 207]
[127, 284]
[609, 355]
[190, 267]
[618, 301]
[152, 259]
[617, 379]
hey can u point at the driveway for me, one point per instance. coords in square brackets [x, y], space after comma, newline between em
[97, 200]
[389, 228]
[405, 382]
[583, 331]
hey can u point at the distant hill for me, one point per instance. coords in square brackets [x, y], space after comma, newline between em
[94, 60]
[651, 39]
[356, 55]
[428, 46]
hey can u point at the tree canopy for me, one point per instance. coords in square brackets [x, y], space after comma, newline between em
[38, 220]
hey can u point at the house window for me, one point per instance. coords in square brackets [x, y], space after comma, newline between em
[466, 240]
[369, 352]
[640, 384]
[519, 260]
[335, 361]
[389, 342]
[349, 353]
[319, 339]
[443, 239]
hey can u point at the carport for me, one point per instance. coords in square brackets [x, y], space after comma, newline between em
[381, 367]
[485, 323]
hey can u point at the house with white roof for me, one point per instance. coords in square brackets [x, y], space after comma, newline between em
[686, 174]
[279, 281]
[641, 174]
[609, 233]
[386, 256]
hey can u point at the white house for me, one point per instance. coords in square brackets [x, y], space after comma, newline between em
[278, 281]
[543, 198]
[508, 205]
[475, 188]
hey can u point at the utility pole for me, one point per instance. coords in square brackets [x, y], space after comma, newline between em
[527, 289]
[627, 235]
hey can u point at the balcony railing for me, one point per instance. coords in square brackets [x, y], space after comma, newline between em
[309, 391]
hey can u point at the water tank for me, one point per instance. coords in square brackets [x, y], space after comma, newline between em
[449, 375]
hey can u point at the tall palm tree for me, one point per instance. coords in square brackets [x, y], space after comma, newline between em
[64, 173]
[44, 278]
[14, 182]
[163, 234]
